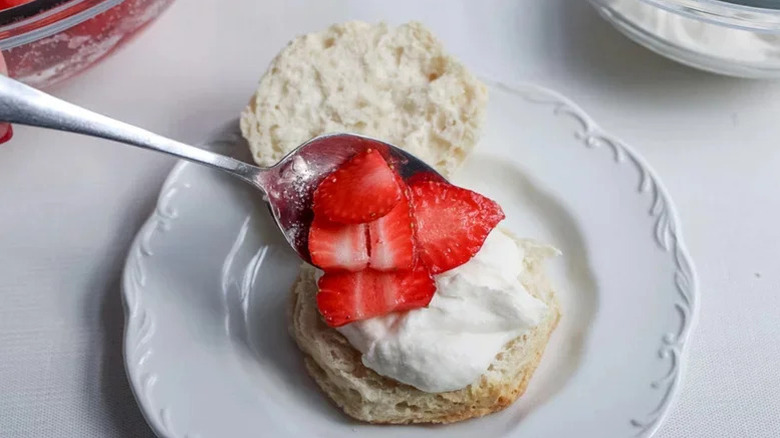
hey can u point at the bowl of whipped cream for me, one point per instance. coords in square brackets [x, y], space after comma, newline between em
[731, 37]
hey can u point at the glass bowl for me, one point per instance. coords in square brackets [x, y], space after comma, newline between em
[731, 37]
[47, 41]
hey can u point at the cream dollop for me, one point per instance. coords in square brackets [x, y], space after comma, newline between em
[477, 309]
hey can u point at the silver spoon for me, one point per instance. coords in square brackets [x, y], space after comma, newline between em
[287, 187]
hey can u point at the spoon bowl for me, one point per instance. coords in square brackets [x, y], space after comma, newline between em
[287, 187]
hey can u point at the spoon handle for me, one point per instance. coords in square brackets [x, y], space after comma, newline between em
[24, 105]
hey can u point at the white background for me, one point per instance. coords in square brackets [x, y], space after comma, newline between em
[69, 206]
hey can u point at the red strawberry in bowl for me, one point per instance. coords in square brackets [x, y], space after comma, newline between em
[8, 4]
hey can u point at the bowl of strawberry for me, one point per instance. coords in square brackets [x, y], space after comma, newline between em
[380, 240]
[48, 41]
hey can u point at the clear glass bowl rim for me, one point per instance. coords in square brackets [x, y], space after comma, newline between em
[51, 21]
[720, 12]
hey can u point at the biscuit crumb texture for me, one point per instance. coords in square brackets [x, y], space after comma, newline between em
[393, 83]
[365, 395]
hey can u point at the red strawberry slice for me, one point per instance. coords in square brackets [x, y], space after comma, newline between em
[361, 190]
[346, 297]
[451, 223]
[335, 246]
[391, 238]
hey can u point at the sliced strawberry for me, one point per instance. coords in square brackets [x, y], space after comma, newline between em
[338, 246]
[451, 223]
[391, 238]
[346, 297]
[361, 190]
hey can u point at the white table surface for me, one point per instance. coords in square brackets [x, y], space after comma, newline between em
[69, 206]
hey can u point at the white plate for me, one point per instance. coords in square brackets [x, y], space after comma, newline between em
[207, 280]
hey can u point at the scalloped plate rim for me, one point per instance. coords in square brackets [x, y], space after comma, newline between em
[159, 423]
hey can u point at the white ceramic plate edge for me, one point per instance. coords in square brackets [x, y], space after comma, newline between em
[668, 236]
[138, 325]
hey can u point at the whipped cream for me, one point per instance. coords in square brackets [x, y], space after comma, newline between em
[478, 307]
[700, 36]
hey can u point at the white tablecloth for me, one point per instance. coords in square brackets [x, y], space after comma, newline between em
[69, 206]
